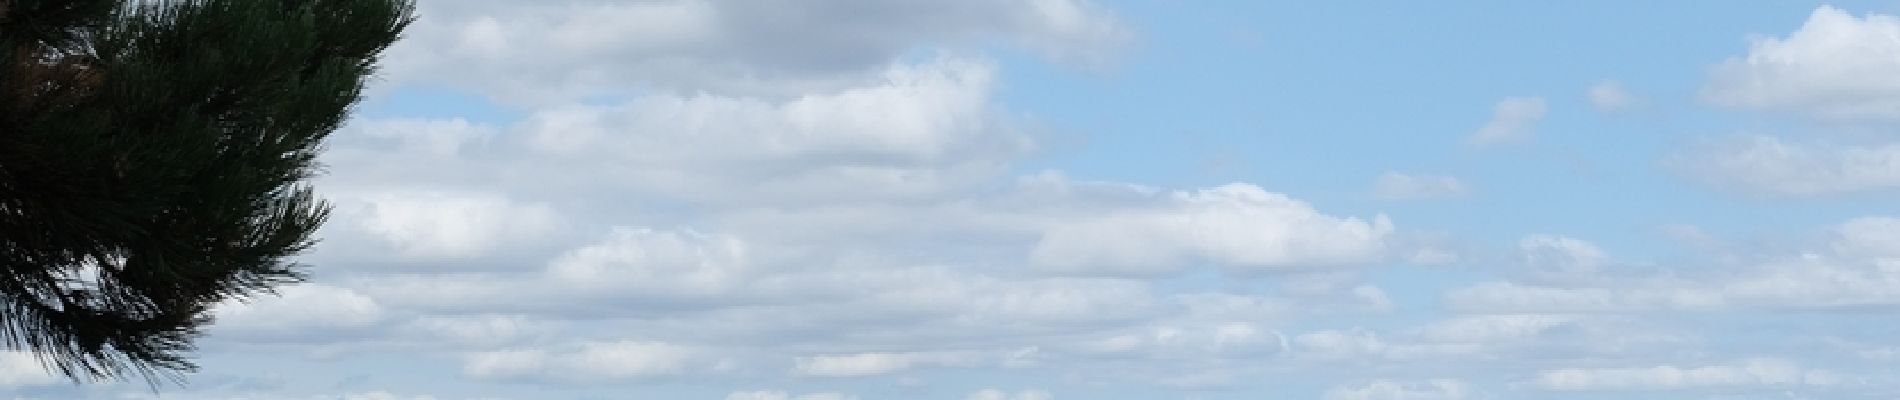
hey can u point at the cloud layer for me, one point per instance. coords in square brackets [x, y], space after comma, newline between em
[864, 199]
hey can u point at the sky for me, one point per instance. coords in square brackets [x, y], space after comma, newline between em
[1096, 199]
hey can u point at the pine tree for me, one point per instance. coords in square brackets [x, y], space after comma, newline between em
[153, 158]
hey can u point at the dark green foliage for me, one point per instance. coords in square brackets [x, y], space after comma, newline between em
[152, 156]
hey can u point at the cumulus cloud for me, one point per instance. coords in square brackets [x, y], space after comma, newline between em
[1209, 326]
[913, 112]
[549, 50]
[476, 330]
[1240, 226]
[1434, 389]
[885, 363]
[1513, 119]
[916, 130]
[773, 191]
[660, 268]
[1758, 372]
[641, 271]
[650, 261]
[1362, 345]
[1854, 270]
[847, 212]
[1609, 96]
[447, 226]
[1398, 186]
[1190, 340]
[847, 218]
[1874, 236]
[1768, 165]
[1560, 260]
[1509, 297]
[1814, 282]
[589, 362]
[1836, 66]
[1492, 328]
[858, 364]
[299, 312]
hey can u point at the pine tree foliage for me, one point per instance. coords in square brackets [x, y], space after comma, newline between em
[152, 164]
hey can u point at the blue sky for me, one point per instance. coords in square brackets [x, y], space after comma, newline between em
[1093, 199]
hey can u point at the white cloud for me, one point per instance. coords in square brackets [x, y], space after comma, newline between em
[1207, 328]
[1609, 96]
[774, 191]
[1432, 256]
[1856, 269]
[914, 130]
[1074, 30]
[1043, 300]
[997, 394]
[855, 364]
[1339, 344]
[869, 364]
[476, 330]
[21, 369]
[1398, 186]
[1492, 328]
[658, 268]
[1512, 120]
[645, 270]
[304, 311]
[855, 313]
[652, 211]
[1770, 166]
[1430, 249]
[1559, 259]
[1511, 297]
[1472, 340]
[1815, 282]
[793, 212]
[1360, 344]
[535, 52]
[1191, 339]
[1862, 270]
[1877, 236]
[1434, 389]
[1879, 352]
[1239, 226]
[648, 261]
[435, 226]
[1758, 372]
[913, 112]
[588, 362]
[1836, 66]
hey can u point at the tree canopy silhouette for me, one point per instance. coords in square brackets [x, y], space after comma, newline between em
[153, 157]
